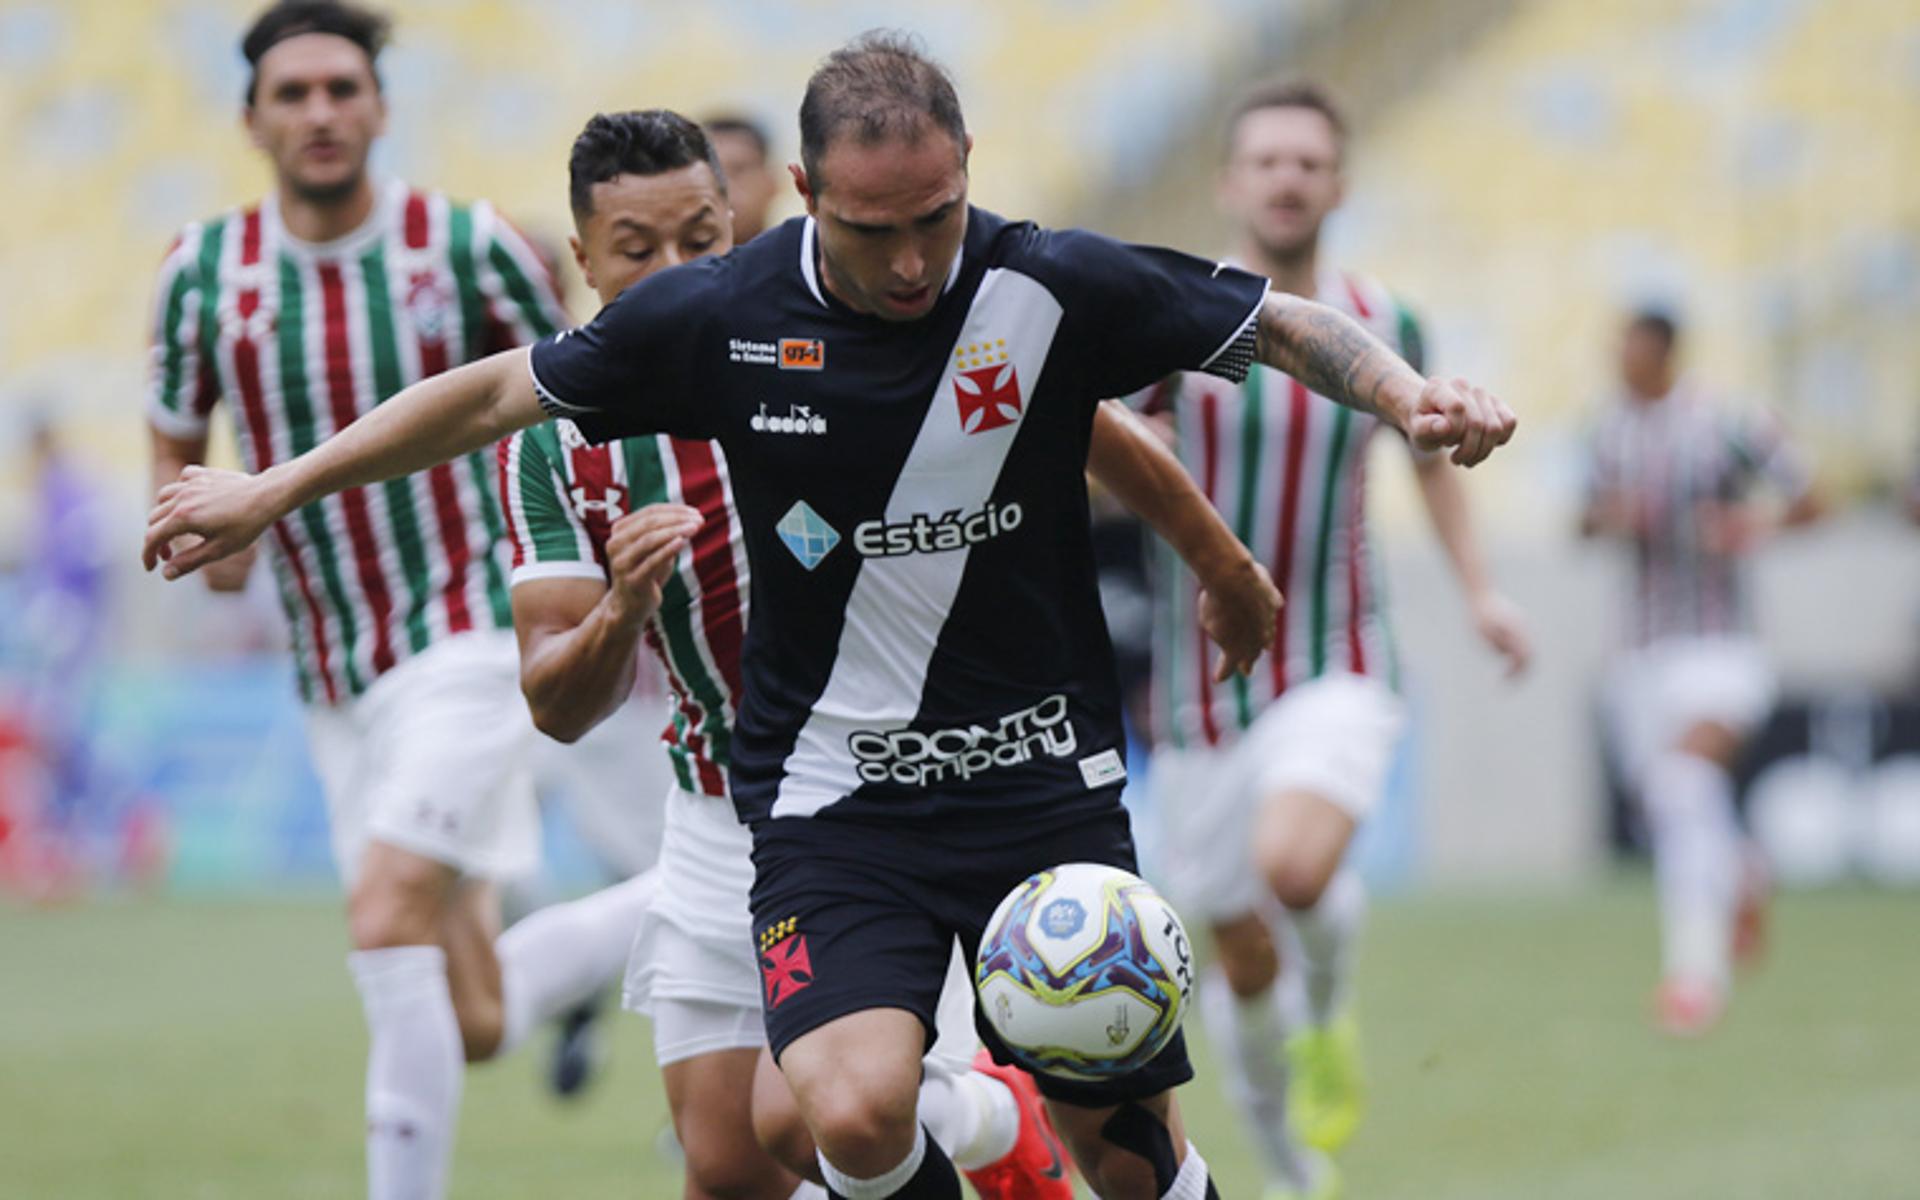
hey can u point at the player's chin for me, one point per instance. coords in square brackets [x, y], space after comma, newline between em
[907, 306]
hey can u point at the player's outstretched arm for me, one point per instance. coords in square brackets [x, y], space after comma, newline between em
[435, 420]
[1497, 619]
[1334, 356]
[579, 638]
[1240, 603]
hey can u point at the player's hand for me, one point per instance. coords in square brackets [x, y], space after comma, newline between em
[1729, 528]
[204, 516]
[230, 574]
[1503, 626]
[1453, 412]
[641, 550]
[1239, 613]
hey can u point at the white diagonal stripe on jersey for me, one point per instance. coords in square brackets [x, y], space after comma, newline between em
[899, 606]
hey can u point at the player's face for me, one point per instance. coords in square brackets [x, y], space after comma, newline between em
[1645, 362]
[646, 223]
[750, 182]
[316, 111]
[1282, 178]
[891, 218]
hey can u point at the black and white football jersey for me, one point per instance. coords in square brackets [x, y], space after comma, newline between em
[926, 634]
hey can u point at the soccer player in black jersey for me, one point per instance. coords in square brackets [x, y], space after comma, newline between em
[904, 385]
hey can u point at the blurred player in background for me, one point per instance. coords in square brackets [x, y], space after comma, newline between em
[303, 313]
[597, 535]
[743, 148]
[1672, 475]
[1287, 761]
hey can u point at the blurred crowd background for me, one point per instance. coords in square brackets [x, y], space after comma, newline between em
[1524, 173]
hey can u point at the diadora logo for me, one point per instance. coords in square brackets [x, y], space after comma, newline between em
[986, 386]
[797, 419]
[802, 354]
[922, 534]
[918, 758]
[807, 534]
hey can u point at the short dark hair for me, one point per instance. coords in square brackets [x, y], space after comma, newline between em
[880, 85]
[1658, 324]
[1289, 93]
[747, 127]
[649, 141]
[363, 27]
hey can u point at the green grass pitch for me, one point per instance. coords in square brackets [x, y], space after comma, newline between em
[212, 1049]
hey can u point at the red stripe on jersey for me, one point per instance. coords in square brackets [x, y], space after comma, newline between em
[1289, 513]
[499, 335]
[448, 516]
[1360, 305]
[340, 397]
[1356, 647]
[597, 499]
[291, 553]
[250, 238]
[416, 221]
[1210, 481]
[691, 712]
[713, 557]
[503, 465]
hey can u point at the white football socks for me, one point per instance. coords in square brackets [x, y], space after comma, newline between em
[561, 955]
[1327, 934]
[1696, 854]
[1249, 1037]
[414, 1065]
[1191, 1182]
[973, 1116]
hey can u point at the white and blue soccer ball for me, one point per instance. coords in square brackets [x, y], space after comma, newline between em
[1085, 972]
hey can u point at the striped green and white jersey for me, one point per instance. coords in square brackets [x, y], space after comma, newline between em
[1287, 469]
[1666, 459]
[300, 339]
[561, 499]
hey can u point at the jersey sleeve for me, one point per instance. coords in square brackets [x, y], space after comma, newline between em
[547, 537]
[1762, 448]
[1141, 313]
[631, 370]
[521, 296]
[182, 384]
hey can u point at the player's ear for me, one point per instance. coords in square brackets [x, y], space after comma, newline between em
[580, 260]
[800, 185]
[250, 121]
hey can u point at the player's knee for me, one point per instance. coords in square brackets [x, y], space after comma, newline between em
[383, 913]
[1712, 741]
[1297, 881]
[863, 1122]
[1248, 957]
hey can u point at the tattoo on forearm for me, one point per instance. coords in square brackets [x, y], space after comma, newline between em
[1327, 351]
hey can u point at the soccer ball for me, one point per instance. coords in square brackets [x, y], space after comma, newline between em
[1085, 972]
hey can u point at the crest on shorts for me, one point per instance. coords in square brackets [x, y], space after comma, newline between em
[785, 966]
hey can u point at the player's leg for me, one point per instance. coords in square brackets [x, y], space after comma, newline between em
[1136, 1150]
[1208, 799]
[710, 1097]
[1708, 694]
[415, 1052]
[1325, 752]
[856, 1082]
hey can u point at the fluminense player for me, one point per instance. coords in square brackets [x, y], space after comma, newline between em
[303, 313]
[930, 712]
[598, 570]
[1674, 469]
[1287, 761]
[745, 159]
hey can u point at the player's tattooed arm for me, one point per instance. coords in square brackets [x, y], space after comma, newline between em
[1335, 357]
[208, 515]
